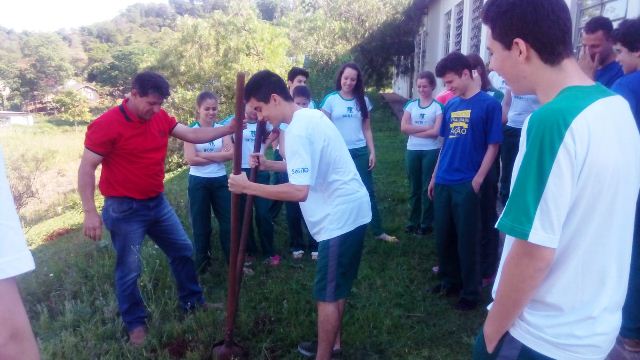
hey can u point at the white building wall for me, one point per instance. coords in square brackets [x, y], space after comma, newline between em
[433, 29]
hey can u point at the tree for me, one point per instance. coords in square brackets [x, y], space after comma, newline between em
[207, 54]
[117, 73]
[71, 105]
[46, 65]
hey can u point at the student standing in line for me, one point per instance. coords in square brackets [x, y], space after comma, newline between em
[627, 47]
[349, 109]
[421, 120]
[515, 109]
[597, 59]
[208, 189]
[333, 199]
[490, 238]
[569, 219]
[472, 133]
[262, 215]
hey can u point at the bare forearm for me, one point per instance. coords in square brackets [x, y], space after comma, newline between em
[87, 189]
[524, 270]
[430, 132]
[487, 161]
[216, 156]
[281, 192]
[201, 135]
[16, 337]
[414, 129]
[272, 165]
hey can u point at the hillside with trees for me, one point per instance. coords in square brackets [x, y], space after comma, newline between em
[198, 44]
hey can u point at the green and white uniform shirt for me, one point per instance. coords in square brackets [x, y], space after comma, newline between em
[423, 116]
[248, 140]
[574, 189]
[347, 117]
[211, 170]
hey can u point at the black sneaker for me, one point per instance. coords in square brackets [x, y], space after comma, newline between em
[465, 305]
[310, 348]
[441, 289]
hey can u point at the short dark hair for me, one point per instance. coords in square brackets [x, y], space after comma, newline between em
[478, 64]
[599, 23]
[455, 63]
[295, 72]
[428, 75]
[543, 24]
[204, 96]
[627, 34]
[149, 82]
[265, 83]
[301, 91]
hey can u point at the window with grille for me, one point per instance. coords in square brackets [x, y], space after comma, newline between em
[447, 32]
[459, 20]
[616, 10]
[476, 26]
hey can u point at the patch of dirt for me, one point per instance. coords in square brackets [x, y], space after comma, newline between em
[178, 348]
[56, 234]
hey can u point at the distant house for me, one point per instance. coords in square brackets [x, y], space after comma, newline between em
[455, 25]
[85, 90]
[15, 118]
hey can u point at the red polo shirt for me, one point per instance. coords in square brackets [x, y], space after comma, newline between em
[133, 151]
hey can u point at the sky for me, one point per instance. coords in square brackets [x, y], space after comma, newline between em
[51, 15]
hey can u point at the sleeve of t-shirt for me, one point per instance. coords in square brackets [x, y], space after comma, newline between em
[444, 131]
[169, 121]
[327, 104]
[15, 257]
[621, 88]
[368, 102]
[100, 137]
[494, 123]
[439, 108]
[544, 185]
[407, 105]
[300, 166]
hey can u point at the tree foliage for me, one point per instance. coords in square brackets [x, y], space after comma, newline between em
[208, 53]
[71, 105]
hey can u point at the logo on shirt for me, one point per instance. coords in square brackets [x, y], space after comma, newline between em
[459, 123]
[422, 116]
[299, 171]
[350, 109]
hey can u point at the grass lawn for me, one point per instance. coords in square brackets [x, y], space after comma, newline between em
[73, 310]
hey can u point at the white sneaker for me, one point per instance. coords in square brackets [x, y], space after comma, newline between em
[314, 255]
[297, 254]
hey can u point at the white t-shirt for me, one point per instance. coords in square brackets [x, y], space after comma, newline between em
[423, 116]
[347, 117]
[214, 169]
[521, 107]
[574, 189]
[248, 140]
[497, 81]
[317, 156]
[15, 257]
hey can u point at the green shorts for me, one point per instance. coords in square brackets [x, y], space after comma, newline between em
[338, 262]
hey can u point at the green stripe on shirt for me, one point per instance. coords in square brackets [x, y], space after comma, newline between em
[545, 134]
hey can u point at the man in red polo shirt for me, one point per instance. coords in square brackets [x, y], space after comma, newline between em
[130, 141]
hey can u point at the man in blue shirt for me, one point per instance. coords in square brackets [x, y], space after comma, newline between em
[597, 59]
[627, 48]
[472, 133]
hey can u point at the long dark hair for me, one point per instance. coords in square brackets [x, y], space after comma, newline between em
[358, 89]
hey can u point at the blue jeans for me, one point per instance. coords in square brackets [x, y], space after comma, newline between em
[129, 220]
